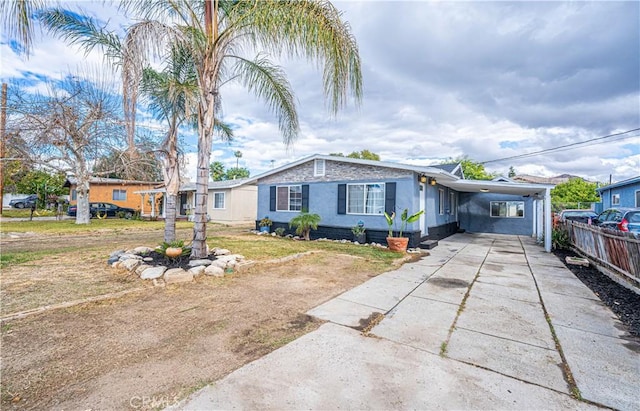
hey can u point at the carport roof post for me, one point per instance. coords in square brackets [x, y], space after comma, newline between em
[547, 220]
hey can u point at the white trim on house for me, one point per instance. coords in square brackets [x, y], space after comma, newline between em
[318, 167]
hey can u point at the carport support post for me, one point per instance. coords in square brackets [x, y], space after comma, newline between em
[547, 220]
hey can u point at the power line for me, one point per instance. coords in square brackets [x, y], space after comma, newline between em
[566, 146]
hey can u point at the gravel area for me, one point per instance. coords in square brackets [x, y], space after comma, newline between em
[622, 301]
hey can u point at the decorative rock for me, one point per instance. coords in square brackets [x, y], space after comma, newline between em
[197, 270]
[177, 275]
[218, 263]
[129, 256]
[221, 251]
[141, 268]
[142, 250]
[214, 270]
[116, 264]
[113, 259]
[130, 264]
[147, 259]
[116, 253]
[195, 263]
[153, 273]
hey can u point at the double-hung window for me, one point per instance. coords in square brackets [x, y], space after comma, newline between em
[440, 201]
[508, 209]
[119, 195]
[365, 198]
[218, 200]
[615, 199]
[289, 198]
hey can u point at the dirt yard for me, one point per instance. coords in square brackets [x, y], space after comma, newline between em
[152, 346]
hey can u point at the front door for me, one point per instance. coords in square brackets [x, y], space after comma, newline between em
[423, 206]
[183, 204]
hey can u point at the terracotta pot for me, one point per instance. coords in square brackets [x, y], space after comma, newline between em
[173, 252]
[398, 243]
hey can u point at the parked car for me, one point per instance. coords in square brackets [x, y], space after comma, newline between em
[103, 210]
[582, 216]
[623, 219]
[26, 202]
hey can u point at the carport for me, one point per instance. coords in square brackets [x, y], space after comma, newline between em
[539, 193]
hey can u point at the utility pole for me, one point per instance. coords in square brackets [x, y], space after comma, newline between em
[3, 132]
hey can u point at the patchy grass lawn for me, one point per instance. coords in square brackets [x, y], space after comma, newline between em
[162, 342]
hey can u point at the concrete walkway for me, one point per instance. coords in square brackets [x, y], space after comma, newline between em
[469, 327]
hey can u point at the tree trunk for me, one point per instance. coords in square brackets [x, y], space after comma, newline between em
[170, 218]
[206, 116]
[172, 184]
[83, 213]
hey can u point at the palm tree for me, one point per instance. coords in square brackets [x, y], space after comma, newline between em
[238, 155]
[215, 30]
[16, 20]
[172, 95]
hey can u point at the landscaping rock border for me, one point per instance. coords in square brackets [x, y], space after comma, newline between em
[138, 261]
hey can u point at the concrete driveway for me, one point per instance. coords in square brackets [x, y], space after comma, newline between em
[484, 322]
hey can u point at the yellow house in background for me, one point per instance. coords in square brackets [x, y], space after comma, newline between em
[115, 191]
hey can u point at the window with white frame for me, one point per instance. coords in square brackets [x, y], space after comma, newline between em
[289, 198]
[452, 203]
[218, 200]
[615, 199]
[119, 195]
[507, 209]
[365, 198]
[638, 198]
[74, 195]
[440, 201]
[318, 167]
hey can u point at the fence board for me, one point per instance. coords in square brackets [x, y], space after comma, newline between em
[616, 250]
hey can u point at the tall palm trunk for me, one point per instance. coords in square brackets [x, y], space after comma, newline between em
[205, 137]
[206, 121]
[171, 181]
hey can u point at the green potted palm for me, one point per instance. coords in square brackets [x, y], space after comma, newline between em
[400, 243]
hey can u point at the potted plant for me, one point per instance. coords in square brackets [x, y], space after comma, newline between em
[174, 249]
[265, 224]
[359, 234]
[400, 243]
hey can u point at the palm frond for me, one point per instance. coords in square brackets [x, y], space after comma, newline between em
[16, 20]
[268, 82]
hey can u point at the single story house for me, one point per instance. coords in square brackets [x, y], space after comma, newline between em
[624, 193]
[112, 190]
[228, 202]
[346, 191]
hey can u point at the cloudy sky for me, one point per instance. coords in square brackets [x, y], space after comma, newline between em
[441, 80]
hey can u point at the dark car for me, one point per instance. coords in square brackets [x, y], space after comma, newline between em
[26, 202]
[623, 219]
[581, 216]
[102, 210]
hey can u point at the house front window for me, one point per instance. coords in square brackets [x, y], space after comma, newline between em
[74, 195]
[365, 198]
[452, 203]
[119, 195]
[615, 199]
[507, 209]
[289, 198]
[638, 198]
[218, 201]
[441, 201]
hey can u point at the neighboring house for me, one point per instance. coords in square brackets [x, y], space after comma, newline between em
[344, 191]
[562, 178]
[624, 193]
[228, 202]
[112, 190]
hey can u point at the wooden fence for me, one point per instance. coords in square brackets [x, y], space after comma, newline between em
[616, 251]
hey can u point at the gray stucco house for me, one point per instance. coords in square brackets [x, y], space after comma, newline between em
[344, 191]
